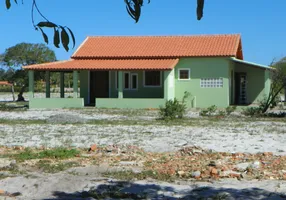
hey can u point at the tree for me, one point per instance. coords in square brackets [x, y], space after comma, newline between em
[25, 54]
[63, 35]
[278, 83]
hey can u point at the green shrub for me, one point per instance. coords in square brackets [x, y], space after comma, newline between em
[174, 109]
[208, 111]
[252, 111]
[230, 109]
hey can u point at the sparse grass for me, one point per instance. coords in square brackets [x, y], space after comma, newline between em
[49, 167]
[58, 153]
[130, 175]
[21, 121]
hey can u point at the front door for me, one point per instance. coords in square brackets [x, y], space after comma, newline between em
[240, 88]
[99, 85]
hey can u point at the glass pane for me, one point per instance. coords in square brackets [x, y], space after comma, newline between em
[126, 80]
[134, 82]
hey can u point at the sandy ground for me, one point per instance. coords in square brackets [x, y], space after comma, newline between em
[237, 134]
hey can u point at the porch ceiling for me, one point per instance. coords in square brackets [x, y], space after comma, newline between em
[106, 64]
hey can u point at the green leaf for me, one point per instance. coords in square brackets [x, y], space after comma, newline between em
[200, 9]
[56, 38]
[8, 4]
[44, 35]
[72, 35]
[47, 24]
[65, 39]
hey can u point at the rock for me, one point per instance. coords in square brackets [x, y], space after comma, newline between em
[268, 154]
[215, 163]
[242, 166]
[230, 173]
[181, 173]
[92, 147]
[2, 192]
[196, 174]
[214, 171]
[6, 163]
[255, 165]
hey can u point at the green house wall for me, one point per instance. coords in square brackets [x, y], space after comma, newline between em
[258, 84]
[141, 92]
[204, 68]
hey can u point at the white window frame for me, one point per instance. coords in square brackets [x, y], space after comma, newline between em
[131, 81]
[152, 86]
[220, 78]
[189, 74]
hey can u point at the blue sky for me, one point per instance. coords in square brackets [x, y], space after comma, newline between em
[260, 22]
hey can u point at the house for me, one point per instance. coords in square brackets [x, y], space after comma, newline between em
[145, 71]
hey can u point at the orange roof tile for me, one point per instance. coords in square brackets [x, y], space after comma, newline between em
[111, 64]
[5, 83]
[160, 46]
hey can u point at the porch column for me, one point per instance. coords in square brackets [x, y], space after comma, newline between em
[169, 89]
[120, 84]
[62, 84]
[31, 84]
[48, 91]
[75, 84]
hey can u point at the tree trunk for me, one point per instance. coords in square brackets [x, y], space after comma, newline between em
[13, 92]
[20, 95]
[284, 96]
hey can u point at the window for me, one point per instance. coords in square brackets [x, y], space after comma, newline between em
[184, 74]
[130, 81]
[134, 81]
[152, 78]
[126, 80]
[211, 83]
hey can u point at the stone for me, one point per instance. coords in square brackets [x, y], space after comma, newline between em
[196, 174]
[242, 166]
[268, 154]
[255, 165]
[92, 147]
[230, 173]
[214, 171]
[181, 173]
[2, 192]
[6, 163]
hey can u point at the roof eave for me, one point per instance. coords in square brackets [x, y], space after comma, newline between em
[251, 63]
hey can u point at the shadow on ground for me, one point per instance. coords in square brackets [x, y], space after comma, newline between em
[129, 190]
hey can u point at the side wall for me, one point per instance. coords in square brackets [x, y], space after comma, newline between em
[204, 68]
[257, 82]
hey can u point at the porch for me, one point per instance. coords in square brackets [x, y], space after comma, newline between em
[249, 82]
[107, 89]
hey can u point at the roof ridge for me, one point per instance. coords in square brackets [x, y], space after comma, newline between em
[162, 36]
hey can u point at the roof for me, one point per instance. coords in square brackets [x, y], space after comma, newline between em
[251, 63]
[160, 46]
[110, 64]
[5, 83]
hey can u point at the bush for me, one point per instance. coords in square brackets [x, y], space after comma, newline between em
[252, 111]
[174, 109]
[230, 109]
[208, 111]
